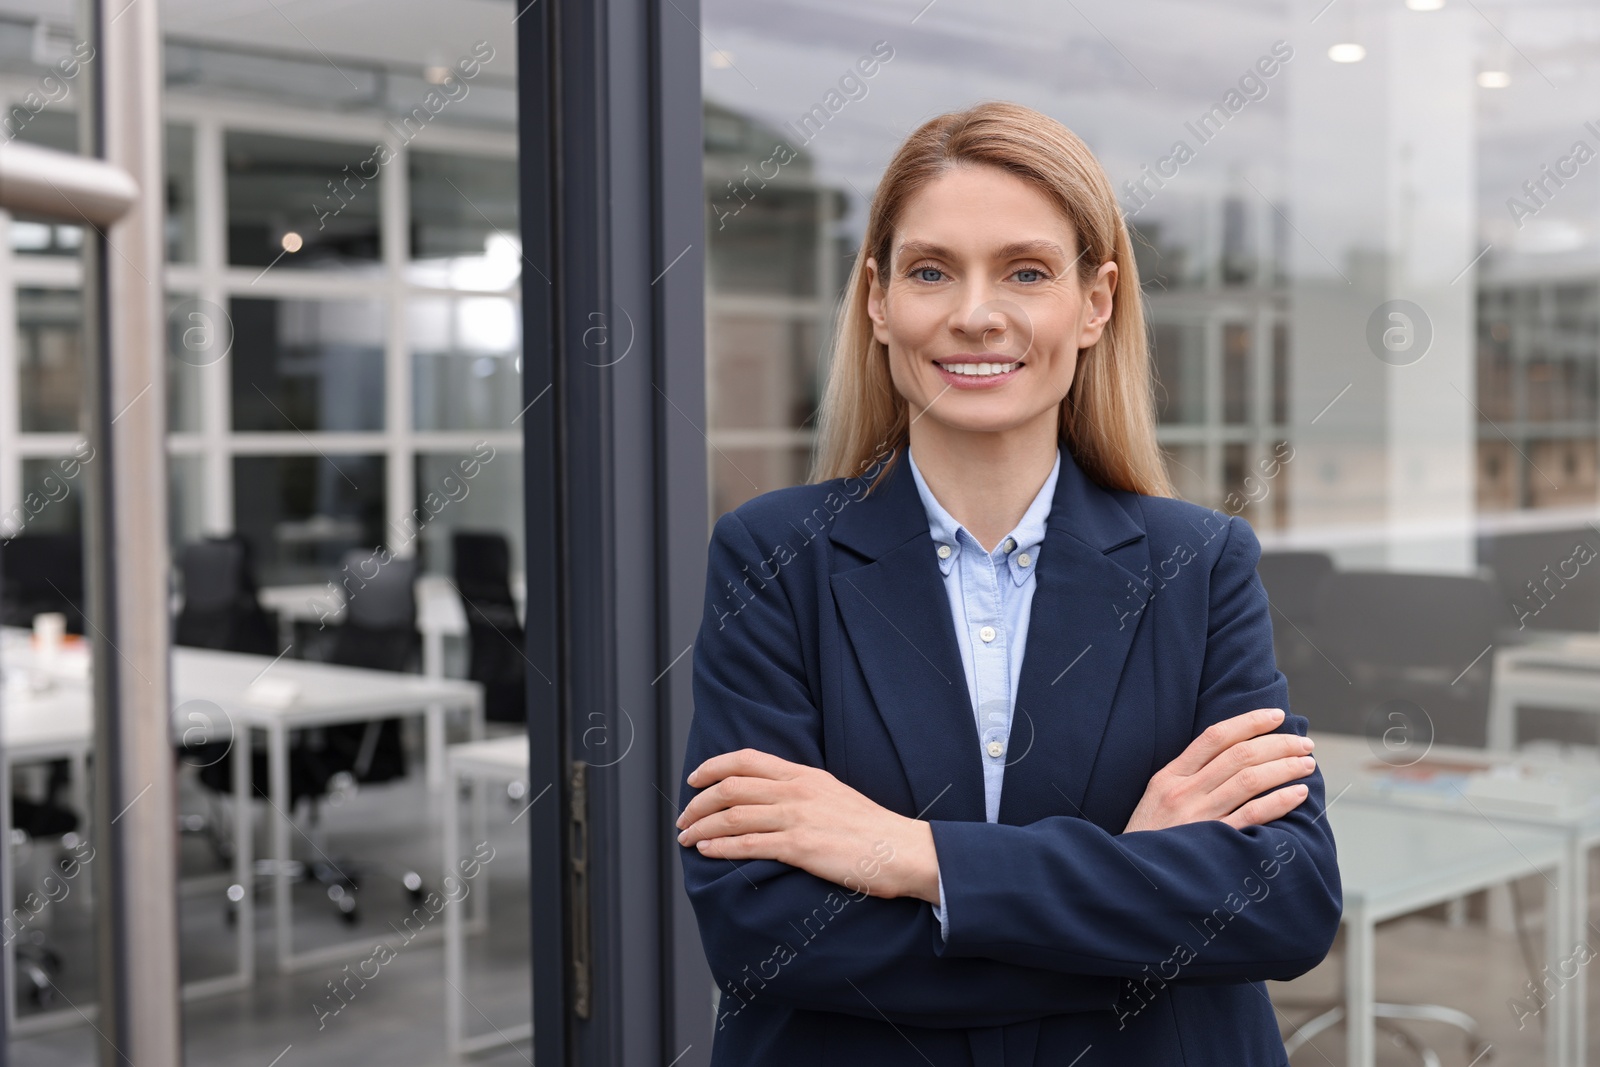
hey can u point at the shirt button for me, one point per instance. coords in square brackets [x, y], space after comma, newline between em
[1024, 559]
[987, 633]
[944, 551]
[995, 748]
[1010, 543]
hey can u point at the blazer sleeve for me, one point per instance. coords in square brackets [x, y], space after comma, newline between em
[1201, 901]
[778, 933]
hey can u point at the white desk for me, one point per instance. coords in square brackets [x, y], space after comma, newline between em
[1491, 790]
[1555, 671]
[439, 612]
[56, 722]
[325, 694]
[502, 760]
[1393, 862]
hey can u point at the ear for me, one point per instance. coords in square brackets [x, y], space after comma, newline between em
[1098, 303]
[877, 303]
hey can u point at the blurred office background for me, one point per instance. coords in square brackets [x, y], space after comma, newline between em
[1375, 319]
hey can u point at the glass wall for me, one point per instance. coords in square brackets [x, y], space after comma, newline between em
[344, 365]
[1367, 243]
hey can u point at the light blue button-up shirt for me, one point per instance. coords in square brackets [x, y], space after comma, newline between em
[991, 598]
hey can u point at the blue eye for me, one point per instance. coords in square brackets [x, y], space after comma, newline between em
[916, 271]
[1031, 270]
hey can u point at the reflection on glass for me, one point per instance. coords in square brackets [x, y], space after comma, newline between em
[763, 372]
[1186, 466]
[301, 513]
[298, 203]
[464, 222]
[304, 365]
[185, 504]
[477, 490]
[1179, 352]
[1280, 373]
[180, 193]
[49, 358]
[738, 474]
[466, 361]
[1237, 384]
[52, 495]
[184, 375]
[30, 235]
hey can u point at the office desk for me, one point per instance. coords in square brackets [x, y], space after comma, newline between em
[325, 695]
[502, 760]
[56, 722]
[1503, 791]
[1554, 671]
[1393, 862]
[225, 686]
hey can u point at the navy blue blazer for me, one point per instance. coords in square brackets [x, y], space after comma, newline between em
[827, 640]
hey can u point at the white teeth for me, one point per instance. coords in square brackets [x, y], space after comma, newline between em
[980, 370]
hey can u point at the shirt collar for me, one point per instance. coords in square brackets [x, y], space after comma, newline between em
[1025, 539]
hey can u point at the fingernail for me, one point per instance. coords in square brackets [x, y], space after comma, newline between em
[1308, 763]
[701, 845]
[681, 836]
[1300, 789]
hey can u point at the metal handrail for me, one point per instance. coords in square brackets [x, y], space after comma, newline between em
[63, 186]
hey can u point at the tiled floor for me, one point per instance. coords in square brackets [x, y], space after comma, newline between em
[395, 1018]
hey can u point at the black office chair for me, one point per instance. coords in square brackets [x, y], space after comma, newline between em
[1542, 580]
[482, 564]
[1292, 580]
[1411, 638]
[379, 632]
[221, 608]
[42, 573]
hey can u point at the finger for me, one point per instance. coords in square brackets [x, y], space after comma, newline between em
[1253, 781]
[1222, 735]
[735, 821]
[767, 846]
[747, 761]
[725, 794]
[1249, 753]
[1274, 805]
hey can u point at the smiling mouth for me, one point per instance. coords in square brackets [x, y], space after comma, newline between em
[978, 370]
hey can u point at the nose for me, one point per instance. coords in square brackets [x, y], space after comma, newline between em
[991, 323]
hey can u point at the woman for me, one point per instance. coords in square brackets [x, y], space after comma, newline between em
[988, 583]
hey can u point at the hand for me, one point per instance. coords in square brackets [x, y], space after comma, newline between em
[754, 805]
[1230, 762]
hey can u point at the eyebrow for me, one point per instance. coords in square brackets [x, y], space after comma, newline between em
[1007, 251]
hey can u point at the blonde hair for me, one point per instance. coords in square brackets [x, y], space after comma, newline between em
[1108, 414]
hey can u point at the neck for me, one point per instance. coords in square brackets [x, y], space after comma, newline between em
[985, 480]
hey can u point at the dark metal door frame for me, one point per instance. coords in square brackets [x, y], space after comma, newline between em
[615, 493]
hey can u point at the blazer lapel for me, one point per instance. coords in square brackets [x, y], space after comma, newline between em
[897, 616]
[1081, 624]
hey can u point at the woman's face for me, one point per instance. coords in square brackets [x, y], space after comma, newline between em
[982, 309]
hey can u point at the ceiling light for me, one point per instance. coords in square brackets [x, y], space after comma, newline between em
[1347, 53]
